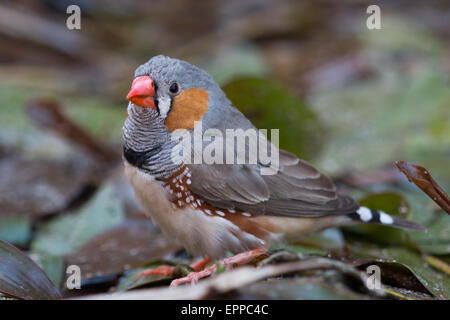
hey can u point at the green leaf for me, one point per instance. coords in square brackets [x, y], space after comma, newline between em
[21, 278]
[69, 232]
[269, 106]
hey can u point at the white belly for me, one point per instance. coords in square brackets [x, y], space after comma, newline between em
[199, 233]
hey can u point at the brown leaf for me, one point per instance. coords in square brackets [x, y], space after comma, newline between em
[423, 179]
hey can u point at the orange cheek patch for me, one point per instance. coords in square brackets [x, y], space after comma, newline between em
[189, 106]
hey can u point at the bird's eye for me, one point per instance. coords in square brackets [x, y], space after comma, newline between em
[173, 88]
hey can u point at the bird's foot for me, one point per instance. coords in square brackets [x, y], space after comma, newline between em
[243, 257]
[193, 277]
[200, 264]
[239, 259]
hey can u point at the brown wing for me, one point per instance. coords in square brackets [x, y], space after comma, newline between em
[298, 189]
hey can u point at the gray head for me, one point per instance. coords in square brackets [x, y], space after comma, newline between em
[172, 78]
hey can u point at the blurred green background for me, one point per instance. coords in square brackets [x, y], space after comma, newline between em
[348, 99]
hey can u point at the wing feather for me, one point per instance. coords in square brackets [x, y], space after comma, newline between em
[297, 190]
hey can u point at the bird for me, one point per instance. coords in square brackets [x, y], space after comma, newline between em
[212, 209]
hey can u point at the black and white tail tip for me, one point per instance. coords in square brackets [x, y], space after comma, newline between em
[367, 215]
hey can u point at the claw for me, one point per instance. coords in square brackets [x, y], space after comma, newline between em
[193, 277]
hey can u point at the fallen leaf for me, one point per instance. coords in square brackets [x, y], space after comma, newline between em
[423, 179]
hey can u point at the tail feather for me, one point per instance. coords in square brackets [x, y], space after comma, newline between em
[367, 215]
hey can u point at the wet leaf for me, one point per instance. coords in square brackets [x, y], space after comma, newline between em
[65, 234]
[269, 106]
[21, 278]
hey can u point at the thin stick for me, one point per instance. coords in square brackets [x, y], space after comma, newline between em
[423, 179]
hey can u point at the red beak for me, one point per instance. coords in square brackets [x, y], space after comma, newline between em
[142, 92]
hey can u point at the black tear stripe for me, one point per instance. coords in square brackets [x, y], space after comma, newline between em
[138, 159]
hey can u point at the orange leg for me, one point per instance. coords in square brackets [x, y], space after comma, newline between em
[239, 259]
[244, 257]
[167, 271]
[200, 264]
